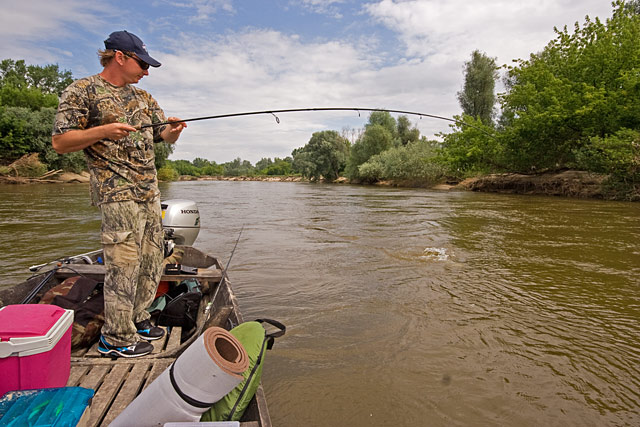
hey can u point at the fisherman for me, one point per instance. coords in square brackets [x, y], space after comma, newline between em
[102, 115]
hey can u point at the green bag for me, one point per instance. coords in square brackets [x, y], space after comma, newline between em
[255, 340]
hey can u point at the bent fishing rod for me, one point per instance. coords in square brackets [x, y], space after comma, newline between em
[298, 110]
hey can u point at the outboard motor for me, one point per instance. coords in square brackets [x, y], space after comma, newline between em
[180, 221]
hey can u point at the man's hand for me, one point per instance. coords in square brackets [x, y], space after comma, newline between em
[116, 131]
[172, 132]
[76, 140]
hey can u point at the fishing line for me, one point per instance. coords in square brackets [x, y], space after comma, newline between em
[224, 272]
[298, 110]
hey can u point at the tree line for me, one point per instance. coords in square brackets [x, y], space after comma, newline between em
[573, 105]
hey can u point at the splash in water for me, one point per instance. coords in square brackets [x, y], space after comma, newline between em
[435, 254]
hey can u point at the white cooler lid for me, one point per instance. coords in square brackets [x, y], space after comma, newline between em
[14, 317]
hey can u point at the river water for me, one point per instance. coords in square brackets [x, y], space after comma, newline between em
[405, 307]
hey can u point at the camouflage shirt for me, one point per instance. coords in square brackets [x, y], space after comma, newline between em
[123, 169]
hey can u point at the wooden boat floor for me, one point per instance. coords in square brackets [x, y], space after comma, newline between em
[117, 382]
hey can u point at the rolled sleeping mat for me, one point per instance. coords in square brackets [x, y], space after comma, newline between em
[207, 370]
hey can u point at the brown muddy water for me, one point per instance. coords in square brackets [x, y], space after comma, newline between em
[405, 307]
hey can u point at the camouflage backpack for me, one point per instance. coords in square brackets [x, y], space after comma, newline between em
[85, 297]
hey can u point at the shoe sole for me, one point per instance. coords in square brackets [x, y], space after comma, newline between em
[150, 338]
[114, 352]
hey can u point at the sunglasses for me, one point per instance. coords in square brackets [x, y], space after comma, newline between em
[140, 62]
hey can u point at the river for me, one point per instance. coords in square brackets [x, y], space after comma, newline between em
[405, 307]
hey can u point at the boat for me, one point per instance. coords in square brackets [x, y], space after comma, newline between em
[117, 382]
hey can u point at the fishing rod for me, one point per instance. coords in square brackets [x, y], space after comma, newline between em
[193, 337]
[298, 110]
[66, 260]
[39, 286]
[224, 272]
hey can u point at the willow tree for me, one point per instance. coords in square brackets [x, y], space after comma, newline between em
[477, 98]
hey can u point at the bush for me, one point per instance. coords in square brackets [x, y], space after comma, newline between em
[167, 173]
[72, 162]
[618, 156]
[414, 162]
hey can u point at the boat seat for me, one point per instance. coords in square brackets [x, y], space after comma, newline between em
[96, 272]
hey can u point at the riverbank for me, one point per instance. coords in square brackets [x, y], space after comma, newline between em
[51, 177]
[266, 178]
[569, 183]
[577, 184]
[566, 183]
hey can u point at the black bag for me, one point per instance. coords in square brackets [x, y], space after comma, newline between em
[182, 306]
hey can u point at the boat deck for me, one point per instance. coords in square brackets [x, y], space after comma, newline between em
[117, 382]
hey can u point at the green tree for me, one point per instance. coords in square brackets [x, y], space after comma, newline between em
[324, 156]
[213, 169]
[167, 173]
[279, 167]
[238, 167]
[633, 6]
[584, 84]
[406, 133]
[24, 131]
[375, 139]
[384, 119]
[477, 97]
[380, 134]
[618, 156]
[183, 167]
[162, 151]
[263, 163]
[49, 79]
[470, 150]
[28, 98]
[200, 163]
[302, 162]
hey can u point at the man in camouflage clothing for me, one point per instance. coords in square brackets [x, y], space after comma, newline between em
[102, 115]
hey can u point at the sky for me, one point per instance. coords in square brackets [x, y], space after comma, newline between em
[232, 56]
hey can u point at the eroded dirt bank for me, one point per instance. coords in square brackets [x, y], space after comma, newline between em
[567, 183]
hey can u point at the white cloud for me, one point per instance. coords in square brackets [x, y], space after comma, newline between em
[204, 10]
[508, 30]
[267, 70]
[31, 28]
[324, 7]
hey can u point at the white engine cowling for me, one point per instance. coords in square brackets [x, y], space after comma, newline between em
[180, 221]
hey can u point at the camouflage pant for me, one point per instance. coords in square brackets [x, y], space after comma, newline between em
[133, 252]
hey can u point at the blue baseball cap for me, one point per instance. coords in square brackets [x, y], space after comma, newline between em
[126, 41]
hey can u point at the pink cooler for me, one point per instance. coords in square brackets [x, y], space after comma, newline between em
[35, 346]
